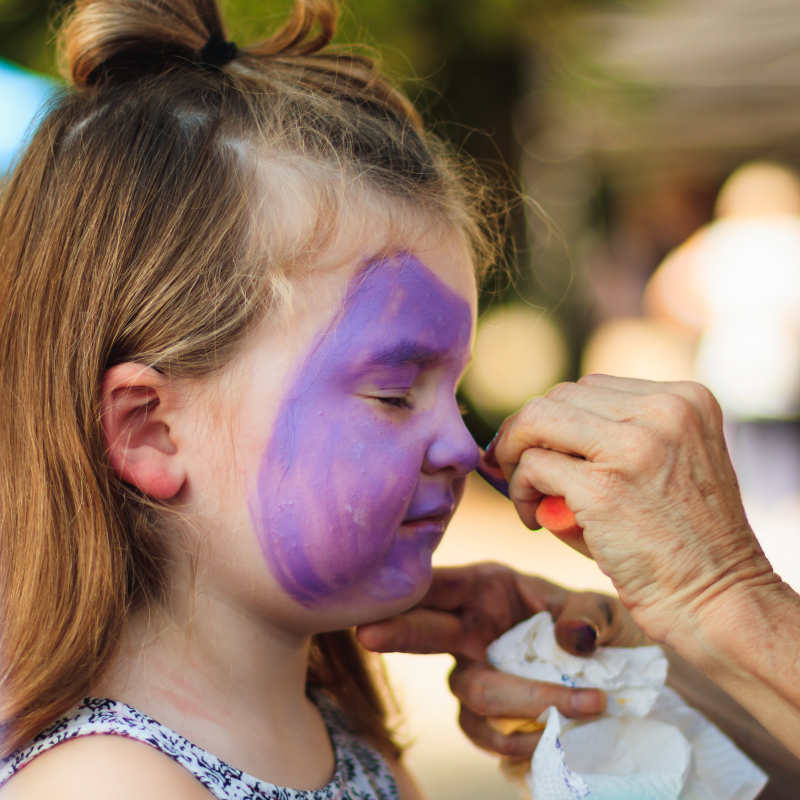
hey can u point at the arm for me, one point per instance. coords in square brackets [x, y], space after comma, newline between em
[749, 735]
[655, 493]
[748, 643]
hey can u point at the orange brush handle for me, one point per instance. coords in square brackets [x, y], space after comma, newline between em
[554, 515]
[552, 512]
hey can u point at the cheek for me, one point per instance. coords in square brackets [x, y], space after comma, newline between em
[333, 487]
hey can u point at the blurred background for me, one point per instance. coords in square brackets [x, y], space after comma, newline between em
[648, 151]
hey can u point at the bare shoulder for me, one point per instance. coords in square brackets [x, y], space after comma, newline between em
[103, 768]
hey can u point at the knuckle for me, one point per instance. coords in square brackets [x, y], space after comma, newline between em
[705, 402]
[562, 392]
[696, 392]
[486, 571]
[669, 404]
[533, 411]
[605, 479]
[528, 459]
[478, 693]
[675, 411]
[553, 695]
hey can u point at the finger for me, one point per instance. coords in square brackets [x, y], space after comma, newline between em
[490, 693]
[553, 473]
[557, 426]
[453, 587]
[416, 631]
[516, 745]
[489, 456]
[695, 393]
[538, 594]
[632, 385]
[612, 404]
[587, 620]
[540, 472]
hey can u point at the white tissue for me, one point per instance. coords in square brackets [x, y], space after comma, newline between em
[649, 745]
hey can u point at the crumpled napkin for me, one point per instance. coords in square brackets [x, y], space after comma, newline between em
[649, 745]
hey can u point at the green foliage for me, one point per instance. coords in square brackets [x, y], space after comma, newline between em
[25, 33]
[415, 36]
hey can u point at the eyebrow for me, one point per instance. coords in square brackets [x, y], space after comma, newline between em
[405, 352]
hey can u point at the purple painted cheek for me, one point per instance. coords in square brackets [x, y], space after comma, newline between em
[332, 501]
[339, 472]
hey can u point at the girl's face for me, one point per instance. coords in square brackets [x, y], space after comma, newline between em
[352, 447]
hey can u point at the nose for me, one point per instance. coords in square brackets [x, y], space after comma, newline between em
[451, 446]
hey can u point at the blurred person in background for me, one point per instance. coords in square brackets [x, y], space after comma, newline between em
[735, 285]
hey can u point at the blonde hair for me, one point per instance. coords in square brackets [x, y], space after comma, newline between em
[126, 234]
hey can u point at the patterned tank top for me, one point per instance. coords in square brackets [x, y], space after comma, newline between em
[361, 771]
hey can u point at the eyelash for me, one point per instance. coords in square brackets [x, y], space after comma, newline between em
[396, 402]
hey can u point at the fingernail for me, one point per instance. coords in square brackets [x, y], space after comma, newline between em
[489, 455]
[588, 701]
[581, 635]
[585, 637]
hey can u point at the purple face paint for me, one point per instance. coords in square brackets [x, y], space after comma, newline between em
[352, 491]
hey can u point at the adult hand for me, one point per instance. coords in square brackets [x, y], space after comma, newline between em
[645, 469]
[466, 609]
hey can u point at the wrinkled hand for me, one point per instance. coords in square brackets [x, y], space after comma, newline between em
[466, 609]
[645, 469]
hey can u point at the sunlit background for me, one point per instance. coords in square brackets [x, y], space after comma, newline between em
[654, 143]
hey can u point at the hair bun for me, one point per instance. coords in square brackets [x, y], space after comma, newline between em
[123, 39]
[131, 37]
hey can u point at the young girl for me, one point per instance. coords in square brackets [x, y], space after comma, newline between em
[238, 292]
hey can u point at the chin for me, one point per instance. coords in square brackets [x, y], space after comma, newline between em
[371, 601]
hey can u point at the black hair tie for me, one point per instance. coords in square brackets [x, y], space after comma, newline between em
[216, 52]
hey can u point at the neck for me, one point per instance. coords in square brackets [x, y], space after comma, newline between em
[227, 681]
[219, 657]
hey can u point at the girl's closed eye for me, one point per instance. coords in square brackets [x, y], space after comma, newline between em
[402, 401]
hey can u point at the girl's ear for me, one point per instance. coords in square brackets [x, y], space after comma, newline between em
[137, 407]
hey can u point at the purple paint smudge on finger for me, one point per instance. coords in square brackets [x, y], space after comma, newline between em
[342, 507]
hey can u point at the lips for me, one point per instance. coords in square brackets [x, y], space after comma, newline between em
[437, 513]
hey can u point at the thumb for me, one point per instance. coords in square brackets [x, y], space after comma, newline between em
[588, 620]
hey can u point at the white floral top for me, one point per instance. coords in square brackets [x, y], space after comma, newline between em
[361, 771]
